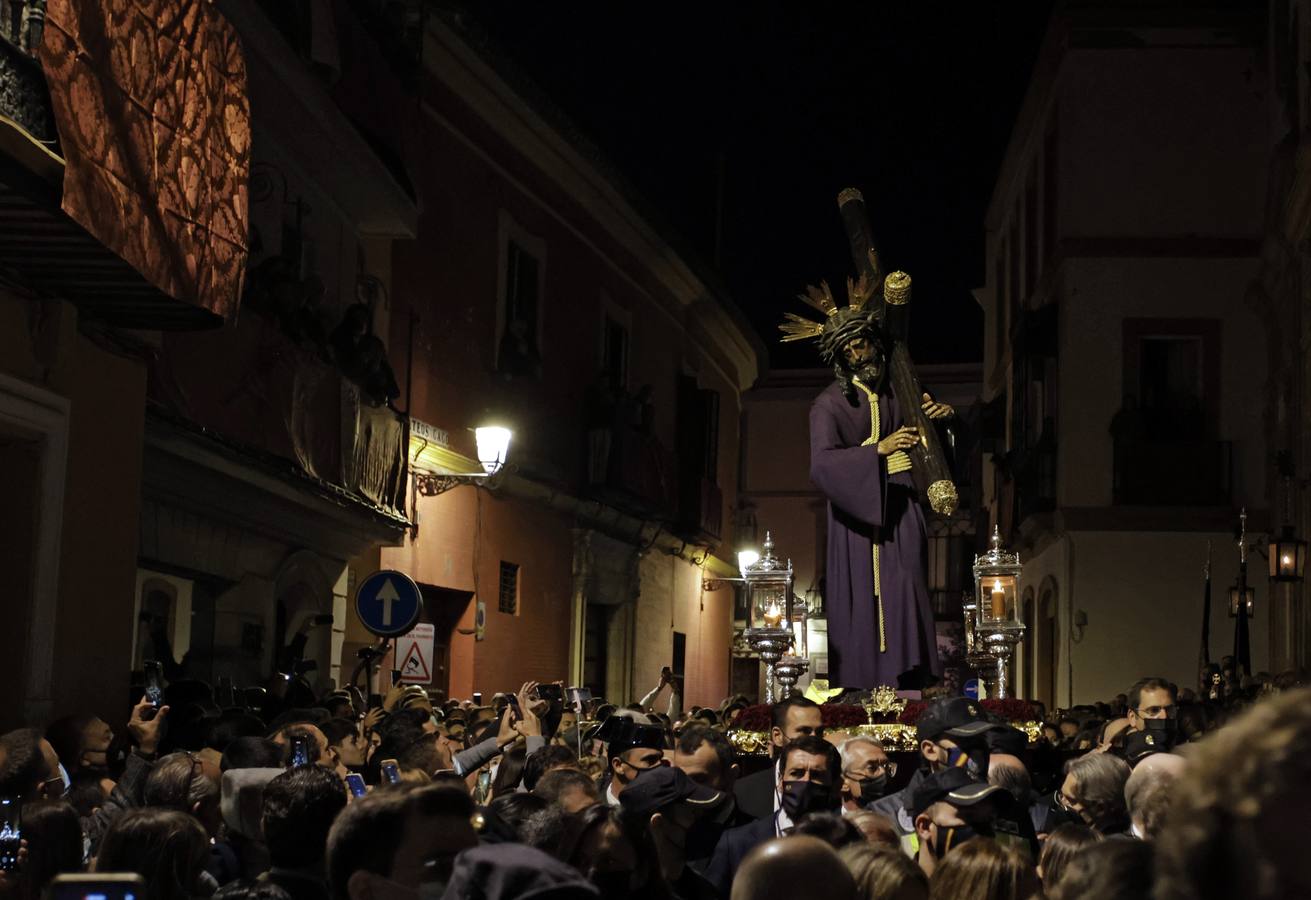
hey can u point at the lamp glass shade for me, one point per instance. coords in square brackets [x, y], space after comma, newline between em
[493, 446]
[1287, 557]
[997, 588]
[1250, 594]
[769, 590]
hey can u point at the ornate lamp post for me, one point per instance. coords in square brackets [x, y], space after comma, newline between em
[977, 656]
[997, 592]
[769, 606]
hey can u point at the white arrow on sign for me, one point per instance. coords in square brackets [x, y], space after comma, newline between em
[387, 595]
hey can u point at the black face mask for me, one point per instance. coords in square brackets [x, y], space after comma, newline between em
[871, 789]
[801, 797]
[951, 838]
[1164, 731]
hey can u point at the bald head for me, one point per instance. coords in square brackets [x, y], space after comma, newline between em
[1007, 771]
[791, 867]
[1147, 792]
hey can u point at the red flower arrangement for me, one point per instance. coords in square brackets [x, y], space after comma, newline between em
[757, 718]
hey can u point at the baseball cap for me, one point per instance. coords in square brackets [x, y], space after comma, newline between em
[662, 786]
[954, 786]
[957, 717]
[622, 733]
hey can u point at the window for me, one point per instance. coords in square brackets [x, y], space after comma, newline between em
[1031, 232]
[519, 312]
[615, 326]
[1049, 193]
[508, 600]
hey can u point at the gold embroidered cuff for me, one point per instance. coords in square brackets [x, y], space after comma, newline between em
[898, 462]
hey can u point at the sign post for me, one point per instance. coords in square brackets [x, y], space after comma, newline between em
[388, 603]
[414, 654]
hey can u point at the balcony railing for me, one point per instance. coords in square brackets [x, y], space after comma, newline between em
[23, 95]
[1153, 472]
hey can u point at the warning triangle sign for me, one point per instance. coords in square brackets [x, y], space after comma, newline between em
[415, 667]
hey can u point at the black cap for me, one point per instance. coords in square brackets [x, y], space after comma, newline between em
[621, 733]
[663, 786]
[957, 717]
[954, 786]
[1140, 744]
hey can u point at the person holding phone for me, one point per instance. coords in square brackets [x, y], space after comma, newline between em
[675, 683]
[48, 782]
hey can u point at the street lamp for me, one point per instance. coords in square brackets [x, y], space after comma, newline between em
[1287, 556]
[745, 560]
[493, 443]
[1247, 594]
[997, 591]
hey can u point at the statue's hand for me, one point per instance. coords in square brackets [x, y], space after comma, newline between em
[935, 410]
[903, 438]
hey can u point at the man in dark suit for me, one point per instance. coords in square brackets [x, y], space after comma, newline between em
[793, 718]
[808, 773]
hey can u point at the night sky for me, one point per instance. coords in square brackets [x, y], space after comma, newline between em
[911, 102]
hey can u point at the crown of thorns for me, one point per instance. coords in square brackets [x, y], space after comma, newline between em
[841, 323]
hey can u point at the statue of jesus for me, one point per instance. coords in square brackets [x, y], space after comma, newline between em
[880, 623]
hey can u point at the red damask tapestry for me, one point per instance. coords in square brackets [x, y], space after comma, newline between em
[150, 101]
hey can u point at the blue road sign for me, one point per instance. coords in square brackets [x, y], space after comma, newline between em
[388, 603]
[972, 689]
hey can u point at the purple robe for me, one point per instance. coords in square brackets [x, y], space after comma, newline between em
[866, 504]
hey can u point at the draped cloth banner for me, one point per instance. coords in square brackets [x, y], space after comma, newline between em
[149, 98]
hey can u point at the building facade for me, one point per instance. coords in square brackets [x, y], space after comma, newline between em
[1123, 361]
[539, 296]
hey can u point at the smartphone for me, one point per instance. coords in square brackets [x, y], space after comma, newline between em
[391, 771]
[154, 673]
[579, 697]
[552, 693]
[225, 695]
[355, 782]
[11, 832]
[514, 705]
[395, 677]
[477, 698]
[98, 886]
[300, 752]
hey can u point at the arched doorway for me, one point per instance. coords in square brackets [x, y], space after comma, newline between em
[1026, 675]
[1047, 647]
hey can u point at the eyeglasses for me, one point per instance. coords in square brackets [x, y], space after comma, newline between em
[1156, 712]
[873, 768]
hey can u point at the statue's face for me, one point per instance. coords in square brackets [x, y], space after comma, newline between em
[863, 358]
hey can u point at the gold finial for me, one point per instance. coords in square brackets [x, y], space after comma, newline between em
[896, 288]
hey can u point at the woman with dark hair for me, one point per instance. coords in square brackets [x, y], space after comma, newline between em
[166, 847]
[1062, 846]
[510, 771]
[54, 844]
[616, 855]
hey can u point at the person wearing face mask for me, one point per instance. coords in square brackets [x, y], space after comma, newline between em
[400, 843]
[685, 820]
[633, 748]
[952, 733]
[1093, 790]
[949, 809]
[808, 779]
[866, 771]
[1153, 709]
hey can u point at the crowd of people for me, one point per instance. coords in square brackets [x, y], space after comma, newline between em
[1160, 793]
